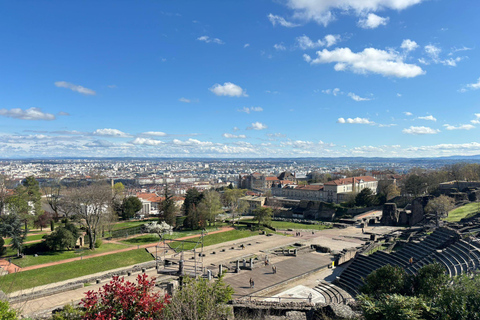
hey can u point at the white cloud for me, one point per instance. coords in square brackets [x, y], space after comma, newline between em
[110, 133]
[399, 95]
[233, 136]
[370, 60]
[182, 99]
[474, 86]
[257, 126]
[279, 47]
[28, 114]
[356, 120]
[429, 118]
[420, 130]
[335, 91]
[372, 21]
[304, 42]
[409, 45]
[281, 21]
[207, 39]
[323, 11]
[251, 109]
[246, 45]
[228, 89]
[192, 142]
[146, 141]
[433, 53]
[75, 87]
[477, 119]
[235, 129]
[276, 135]
[408, 113]
[460, 127]
[357, 98]
[63, 113]
[112, 86]
[155, 133]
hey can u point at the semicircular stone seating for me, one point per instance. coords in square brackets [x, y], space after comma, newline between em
[443, 246]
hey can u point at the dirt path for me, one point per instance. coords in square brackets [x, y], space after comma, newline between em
[38, 266]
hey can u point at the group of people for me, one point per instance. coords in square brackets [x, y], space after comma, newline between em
[297, 234]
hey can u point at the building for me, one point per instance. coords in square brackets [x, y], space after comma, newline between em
[338, 190]
[253, 202]
[306, 192]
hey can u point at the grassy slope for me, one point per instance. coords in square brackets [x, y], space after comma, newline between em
[294, 225]
[32, 278]
[216, 238]
[465, 211]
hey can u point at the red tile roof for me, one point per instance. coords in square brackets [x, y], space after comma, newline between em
[345, 181]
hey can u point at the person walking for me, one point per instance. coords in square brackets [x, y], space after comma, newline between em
[251, 281]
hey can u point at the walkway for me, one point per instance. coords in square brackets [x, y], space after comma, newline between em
[38, 266]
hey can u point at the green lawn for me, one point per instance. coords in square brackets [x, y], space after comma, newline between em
[30, 260]
[293, 225]
[152, 238]
[33, 237]
[130, 224]
[465, 211]
[32, 278]
[216, 238]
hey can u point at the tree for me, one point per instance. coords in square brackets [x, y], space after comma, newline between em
[52, 192]
[6, 312]
[91, 204]
[414, 185]
[392, 191]
[33, 194]
[62, 237]
[194, 218]
[460, 300]
[192, 199]
[159, 228]
[200, 300]
[263, 215]
[124, 300]
[168, 207]
[365, 198]
[43, 220]
[130, 207]
[393, 307]
[2, 246]
[211, 204]
[429, 280]
[385, 280]
[4, 193]
[440, 206]
[118, 196]
[11, 226]
[232, 197]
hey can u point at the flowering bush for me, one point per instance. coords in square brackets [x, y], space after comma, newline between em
[124, 300]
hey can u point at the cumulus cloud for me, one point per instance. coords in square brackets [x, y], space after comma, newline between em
[357, 98]
[372, 21]
[429, 118]
[155, 133]
[279, 47]
[408, 113]
[207, 39]
[409, 45]
[228, 89]
[110, 133]
[477, 119]
[257, 126]
[192, 142]
[323, 12]
[472, 86]
[460, 127]
[182, 99]
[274, 19]
[233, 136]
[304, 42]
[420, 130]
[75, 87]
[251, 109]
[147, 142]
[28, 114]
[370, 60]
[356, 120]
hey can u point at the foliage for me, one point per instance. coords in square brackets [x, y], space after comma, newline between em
[440, 206]
[393, 307]
[6, 312]
[32, 193]
[168, 207]
[130, 206]
[385, 280]
[460, 300]
[98, 243]
[11, 226]
[429, 280]
[195, 218]
[200, 299]
[62, 237]
[52, 225]
[159, 228]
[263, 215]
[365, 198]
[231, 198]
[2, 247]
[43, 220]
[69, 312]
[211, 205]
[124, 300]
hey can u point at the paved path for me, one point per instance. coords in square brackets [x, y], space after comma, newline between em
[286, 269]
[38, 266]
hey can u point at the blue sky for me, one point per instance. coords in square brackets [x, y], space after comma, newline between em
[260, 78]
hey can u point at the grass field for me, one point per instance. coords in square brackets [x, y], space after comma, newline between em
[30, 260]
[33, 237]
[216, 238]
[130, 224]
[152, 238]
[32, 278]
[293, 225]
[465, 211]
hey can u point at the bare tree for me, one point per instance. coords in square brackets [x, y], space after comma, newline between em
[91, 205]
[52, 192]
[440, 206]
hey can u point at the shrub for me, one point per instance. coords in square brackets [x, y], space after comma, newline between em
[7, 313]
[98, 243]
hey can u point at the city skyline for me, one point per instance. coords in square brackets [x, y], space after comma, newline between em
[250, 79]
